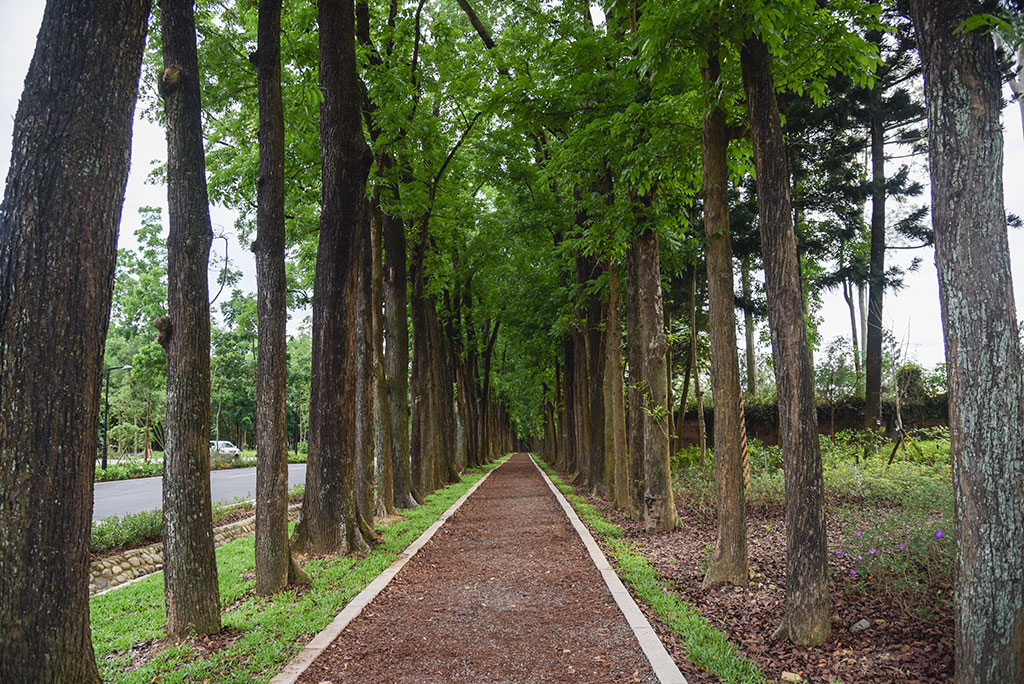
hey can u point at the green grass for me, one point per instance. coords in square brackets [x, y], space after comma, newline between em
[270, 627]
[704, 645]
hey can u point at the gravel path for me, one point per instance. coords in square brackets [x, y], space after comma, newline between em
[504, 592]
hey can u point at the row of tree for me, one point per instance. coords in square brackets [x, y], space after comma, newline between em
[497, 204]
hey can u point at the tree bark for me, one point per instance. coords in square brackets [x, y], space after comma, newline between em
[274, 564]
[330, 519]
[729, 561]
[614, 397]
[876, 274]
[363, 380]
[382, 443]
[594, 477]
[190, 567]
[58, 236]
[650, 347]
[986, 382]
[807, 619]
[748, 330]
[396, 357]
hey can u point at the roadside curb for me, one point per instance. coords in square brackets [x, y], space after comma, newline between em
[298, 665]
[664, 666]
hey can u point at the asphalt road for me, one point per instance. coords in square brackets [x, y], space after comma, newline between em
[144, 494]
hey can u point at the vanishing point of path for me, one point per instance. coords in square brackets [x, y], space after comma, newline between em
[504, 592]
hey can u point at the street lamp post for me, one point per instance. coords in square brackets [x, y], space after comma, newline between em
[106, 407]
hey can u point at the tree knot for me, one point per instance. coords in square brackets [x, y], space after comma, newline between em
[169, 81]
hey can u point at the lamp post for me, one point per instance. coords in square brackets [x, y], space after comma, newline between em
[106, 407]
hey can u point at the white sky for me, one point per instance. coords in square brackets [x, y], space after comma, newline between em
[911, 314]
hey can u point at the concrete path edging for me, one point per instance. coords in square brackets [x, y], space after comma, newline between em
[664, 666]
[298, 665]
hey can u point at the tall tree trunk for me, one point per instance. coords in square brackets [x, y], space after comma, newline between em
[190, 567]
[58, 238]
[274, 563]
[583, 389]
[986, 397]
[381, 418]
[729, 561]
[848, 296]
[571, 412]
[363, 377]
[650, 344]
[876, 272]
[748, 330]
[330, 519]
[594, 477]
[617, 462]
[396, 357]
[808, 618]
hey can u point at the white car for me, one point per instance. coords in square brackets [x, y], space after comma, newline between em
[223, 448]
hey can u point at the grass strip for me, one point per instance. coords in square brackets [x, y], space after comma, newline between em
[709, 648]
[269, 629]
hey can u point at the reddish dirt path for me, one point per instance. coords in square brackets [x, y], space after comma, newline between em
[504, 592]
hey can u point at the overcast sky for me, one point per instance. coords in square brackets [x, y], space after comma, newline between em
[911, 314]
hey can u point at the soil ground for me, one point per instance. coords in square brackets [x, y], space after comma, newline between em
[504, 592]
[898, 646]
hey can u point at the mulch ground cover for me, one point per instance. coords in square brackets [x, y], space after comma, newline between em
[896, 647]
[504, 592]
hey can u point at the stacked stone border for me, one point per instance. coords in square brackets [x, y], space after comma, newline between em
[114, 571]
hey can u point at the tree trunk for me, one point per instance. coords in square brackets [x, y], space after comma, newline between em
[330, 519]
[848, 296]
[986, 396]
[648, 348]
[382, 443]
[396, 357]
[363, 380]
[594, 477]
[614, 397]
[807, 619]
[58, 238]
[748, 330]
[274, 563]
[729, 561]
[876, 273]
[190, 567]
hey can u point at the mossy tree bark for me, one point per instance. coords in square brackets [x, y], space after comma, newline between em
[983, 358]
[808, 618]
[729, 561]
[58, 237]
[190, 568]
[650, 415]
[275, 567]
[330, 518]
[616, 457]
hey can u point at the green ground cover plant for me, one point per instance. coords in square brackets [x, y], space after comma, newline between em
[264, 633]
[896, 518]
[705, 645]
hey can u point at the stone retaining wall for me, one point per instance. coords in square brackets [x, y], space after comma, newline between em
[115, 570]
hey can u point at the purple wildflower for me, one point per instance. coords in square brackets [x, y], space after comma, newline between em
[853, 573]
[839, 553]
[938, 534]
[901, 547]
[856, 534]
[872, 551]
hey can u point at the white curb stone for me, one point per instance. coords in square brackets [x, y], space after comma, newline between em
[664, 666]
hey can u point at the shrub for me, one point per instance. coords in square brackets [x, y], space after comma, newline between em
[134, 529]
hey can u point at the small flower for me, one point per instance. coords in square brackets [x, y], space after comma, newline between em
[853, 573]
[860, 557]
[839, 553]
[938, 534]
[872, 551]
[901, 547]
[856, 534]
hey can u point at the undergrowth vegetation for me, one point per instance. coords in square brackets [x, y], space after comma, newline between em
[895, 519]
